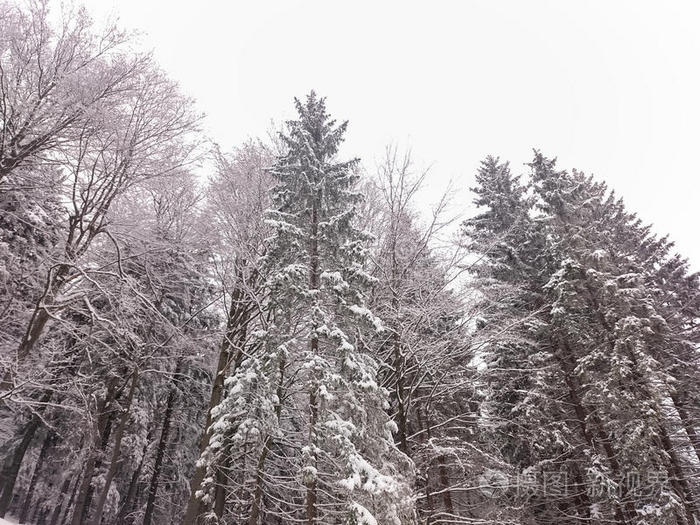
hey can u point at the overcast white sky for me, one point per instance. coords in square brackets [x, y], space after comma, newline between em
[609, 87]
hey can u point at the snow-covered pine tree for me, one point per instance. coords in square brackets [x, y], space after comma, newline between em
[676, 296]
[532, 407]
[505, 243]
[325, 449]
[605, 316]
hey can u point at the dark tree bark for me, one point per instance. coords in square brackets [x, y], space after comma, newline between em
[230, 353]
[591, 437]
[41, 520]
[445, 483]
[399, 365]
[14, 463]
[59, 503]
[116, 450]
[26, 505]
[127, 503]
[73, 494]
[101, 431]
[40, 316]
[399, 392]
[162, 445]
[221, 485]
[314, 281]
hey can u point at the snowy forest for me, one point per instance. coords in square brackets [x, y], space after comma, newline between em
[276, 334]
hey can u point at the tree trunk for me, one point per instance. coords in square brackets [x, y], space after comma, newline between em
[101, 450]
[48, 443]
[41, 520]
[59, 503]
[34, 330]
[314, 281]
[400, 394]
[162, 445]
[311, 482]
[399, 365]
[100, 436]
[222, 472]
[40, 317]
[73, 494]
[138, 497]
[582, 417]
[131, 491]
[688, 424]
[445, 483]
[116, 450]
[221, 485]
[429, 500]
[238, 316]
[82, 495]
[12, 467]
[678, 479]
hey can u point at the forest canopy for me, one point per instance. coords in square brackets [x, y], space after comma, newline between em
[275, 334]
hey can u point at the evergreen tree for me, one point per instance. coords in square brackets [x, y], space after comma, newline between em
[574, 374]
[604, 313]
[311, 399]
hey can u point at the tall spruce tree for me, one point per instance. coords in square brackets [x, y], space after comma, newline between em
[577, 382]
[604, 313]
[325, 449]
